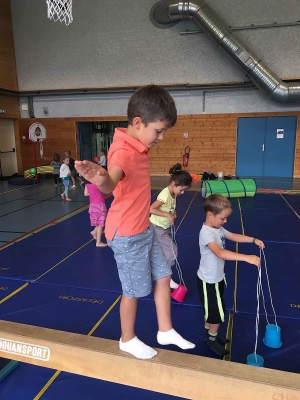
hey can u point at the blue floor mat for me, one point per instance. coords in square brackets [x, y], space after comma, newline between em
[55, 307]
[269, 226]
[294, 201]
[25, 382]
[27, 262]
[188, 321]
[272, 202]
[243, 341]
[91, 267]
[8, 286]
[283, 269]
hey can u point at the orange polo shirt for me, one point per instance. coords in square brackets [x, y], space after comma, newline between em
[129, 212]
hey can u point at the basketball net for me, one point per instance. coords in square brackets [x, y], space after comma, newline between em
[41, 147]
[60, 10]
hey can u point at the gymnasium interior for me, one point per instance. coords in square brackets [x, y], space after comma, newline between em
[70, 68]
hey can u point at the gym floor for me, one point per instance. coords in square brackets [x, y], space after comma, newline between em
[52, 275]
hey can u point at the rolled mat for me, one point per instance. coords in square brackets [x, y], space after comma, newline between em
[229, 188]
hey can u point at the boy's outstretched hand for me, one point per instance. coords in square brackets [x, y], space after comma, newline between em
[253, 260]
[92, 172]
[259, 243]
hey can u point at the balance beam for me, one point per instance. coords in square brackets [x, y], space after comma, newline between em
[172, 373]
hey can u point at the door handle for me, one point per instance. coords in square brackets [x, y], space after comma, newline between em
[263, 147]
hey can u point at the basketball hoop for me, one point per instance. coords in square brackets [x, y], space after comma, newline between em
[60, 10]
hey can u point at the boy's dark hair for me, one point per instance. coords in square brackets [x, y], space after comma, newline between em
[68, 153]
[103, 151]
[179, 176]
[216, 203]
[152, 103]
[65, 157]
[56, 157]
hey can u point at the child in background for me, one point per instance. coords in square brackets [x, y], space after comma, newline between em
[139, 257]
[74, 174]
[56, 168]
[97, 211]
[103, 161]
[163, 212]
[211, 277]
[65, 174]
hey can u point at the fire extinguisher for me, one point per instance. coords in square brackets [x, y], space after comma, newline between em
[186, 156]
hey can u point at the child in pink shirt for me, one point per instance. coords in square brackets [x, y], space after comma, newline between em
[97, 211]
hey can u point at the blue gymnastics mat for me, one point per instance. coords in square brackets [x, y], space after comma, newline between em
[283, 269]
[55, 307]
[243, 340]
[293, 200]
[27, 262]
[271, 202]
[91, 267]
[188, 321]
[270, 226]
[8, 286]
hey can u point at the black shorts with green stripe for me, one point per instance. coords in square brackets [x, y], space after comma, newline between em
[212, 299]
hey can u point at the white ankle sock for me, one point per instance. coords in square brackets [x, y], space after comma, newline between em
[173, 337]
[137, 348]
[173, 285]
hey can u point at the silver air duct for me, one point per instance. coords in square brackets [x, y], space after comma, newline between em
[167, 13]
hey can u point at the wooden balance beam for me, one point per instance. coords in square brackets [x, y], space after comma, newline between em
[172, 373]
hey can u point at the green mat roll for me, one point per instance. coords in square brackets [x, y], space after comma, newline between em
[229, 188]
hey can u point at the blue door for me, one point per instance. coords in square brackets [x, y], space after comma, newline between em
[280, 146]
[266, 146]
[250, 155]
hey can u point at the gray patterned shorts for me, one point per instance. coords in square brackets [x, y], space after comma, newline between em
[140, 259]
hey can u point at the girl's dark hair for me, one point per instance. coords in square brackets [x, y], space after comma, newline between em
[103, 151]
[179, 176]
[56, 157]
[152, 103]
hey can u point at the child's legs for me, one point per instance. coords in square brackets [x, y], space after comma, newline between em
[55, 177]
[66, 190]
[163, 304]
[132, 257]
[161, 273]
[128, 309]
[99, 233]
[168, 246]
[211, 297]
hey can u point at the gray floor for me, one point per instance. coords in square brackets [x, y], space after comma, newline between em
[25, 208]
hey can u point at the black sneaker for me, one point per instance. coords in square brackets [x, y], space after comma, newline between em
[216, 347]
[220, 339]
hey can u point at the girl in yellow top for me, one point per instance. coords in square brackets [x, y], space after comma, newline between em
[163, 212]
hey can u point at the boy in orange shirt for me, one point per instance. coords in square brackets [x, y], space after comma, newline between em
[138, 254]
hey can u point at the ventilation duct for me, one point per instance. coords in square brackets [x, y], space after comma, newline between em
[167, 13]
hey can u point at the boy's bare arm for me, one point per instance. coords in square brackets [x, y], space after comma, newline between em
[235, 237]
[231, 256]
[106, 181]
